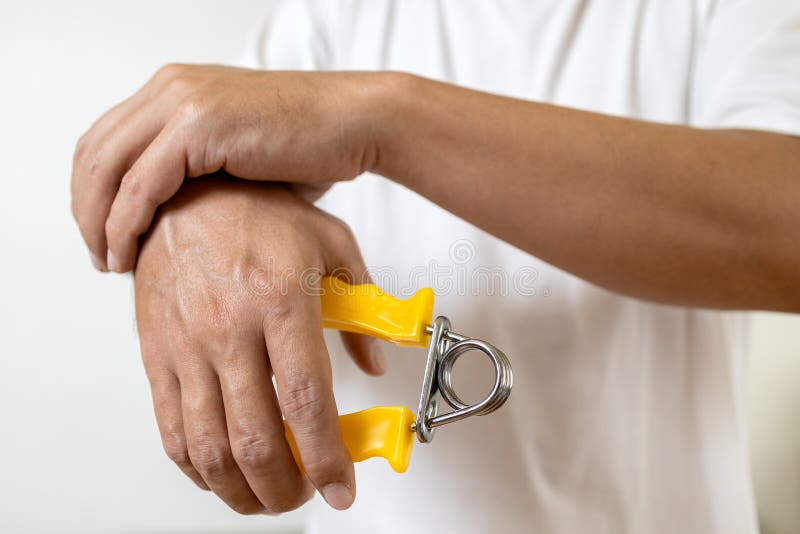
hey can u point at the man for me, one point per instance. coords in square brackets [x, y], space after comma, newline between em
[642, 162]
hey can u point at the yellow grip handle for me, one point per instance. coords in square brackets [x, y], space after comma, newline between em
[383, 431]
[366, 309]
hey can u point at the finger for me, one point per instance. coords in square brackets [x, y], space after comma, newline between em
[256, 431]
[99, 185]
[366, 352]
[105, 152]
[153, 178]
[166, 392]
[207, 440]
[293, 331]
[87, 187]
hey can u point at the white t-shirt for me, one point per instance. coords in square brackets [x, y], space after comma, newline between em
[625, 416]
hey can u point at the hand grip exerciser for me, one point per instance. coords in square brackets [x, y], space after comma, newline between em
[388, 431]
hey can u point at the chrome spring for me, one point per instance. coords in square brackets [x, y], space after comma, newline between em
[445, 348]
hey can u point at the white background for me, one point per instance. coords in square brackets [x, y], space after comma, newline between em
[79, 450]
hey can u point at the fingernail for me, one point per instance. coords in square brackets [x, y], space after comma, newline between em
[111, 261]
[97, 263]
[338, 496]
[378, 359]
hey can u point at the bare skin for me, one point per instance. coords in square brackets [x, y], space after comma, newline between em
[667, 213]
[193, 121]
[220, 307]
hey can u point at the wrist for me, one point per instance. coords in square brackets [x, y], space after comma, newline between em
[384, 121]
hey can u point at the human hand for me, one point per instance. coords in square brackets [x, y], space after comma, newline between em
[221, 306]
[310, 128]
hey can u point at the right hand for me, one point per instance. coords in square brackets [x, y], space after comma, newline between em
[310, 128]
[221, 308]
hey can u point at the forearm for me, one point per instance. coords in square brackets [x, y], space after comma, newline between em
[666, 213]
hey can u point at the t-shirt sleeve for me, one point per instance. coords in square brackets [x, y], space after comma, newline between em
[292, 35]
[747, 72]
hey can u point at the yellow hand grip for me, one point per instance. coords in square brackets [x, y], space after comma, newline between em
[366, 309]
[383, 431]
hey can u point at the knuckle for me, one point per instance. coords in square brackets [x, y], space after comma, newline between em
[87, 157]
[324, 467]
[192, 110]
[341, 232]
[215, 322]
[180, 85]
[130, 185]
[82, 148]
[280, 301]
[170, 71]
[247, 508]
[133, 188]
[176, 450]
[342, 239]
[280, 506]
[211, 458]
[303, 400]
[281, 292]
[254, 453]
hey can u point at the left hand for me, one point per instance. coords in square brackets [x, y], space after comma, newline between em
[191, 120]
[227, 296]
